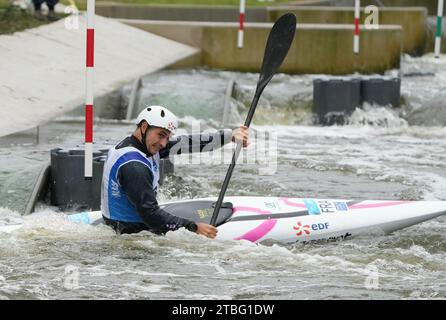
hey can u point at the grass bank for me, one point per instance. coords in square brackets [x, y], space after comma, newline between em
[14, 19]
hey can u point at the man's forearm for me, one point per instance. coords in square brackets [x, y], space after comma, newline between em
[197, 142]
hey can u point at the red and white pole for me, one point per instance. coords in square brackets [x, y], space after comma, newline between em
[88, 173]
[356, 34]
[242, 21]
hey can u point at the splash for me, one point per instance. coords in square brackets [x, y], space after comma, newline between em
[377, 116]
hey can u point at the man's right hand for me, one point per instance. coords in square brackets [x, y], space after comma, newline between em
[207, 230]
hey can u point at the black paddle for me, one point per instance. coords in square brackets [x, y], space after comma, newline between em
[277, 46]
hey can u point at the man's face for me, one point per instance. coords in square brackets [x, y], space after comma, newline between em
[156, 139]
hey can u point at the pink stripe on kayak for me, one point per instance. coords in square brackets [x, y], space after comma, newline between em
[260, 231]
[378, 205]
[293, 204]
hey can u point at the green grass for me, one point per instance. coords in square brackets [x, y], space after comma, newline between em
[13, 19]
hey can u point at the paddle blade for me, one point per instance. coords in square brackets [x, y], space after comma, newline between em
[278, 44]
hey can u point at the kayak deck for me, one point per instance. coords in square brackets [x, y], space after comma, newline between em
[290, 220]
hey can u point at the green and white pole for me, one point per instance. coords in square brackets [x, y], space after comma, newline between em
[439, 27]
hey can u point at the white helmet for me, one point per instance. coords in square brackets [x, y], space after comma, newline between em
[158, 116]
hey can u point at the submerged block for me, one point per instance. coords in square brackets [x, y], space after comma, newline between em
[381, 91]
[69, 189]
[334, 99]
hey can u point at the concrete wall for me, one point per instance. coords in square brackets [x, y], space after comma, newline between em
[179, 12]
[332, 53]
[190, 33]
[412, 20]
[431, 5]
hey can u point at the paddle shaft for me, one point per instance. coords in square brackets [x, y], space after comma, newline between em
[234, 160]
[278, 44]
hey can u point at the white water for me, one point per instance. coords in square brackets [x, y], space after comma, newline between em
[379, 155]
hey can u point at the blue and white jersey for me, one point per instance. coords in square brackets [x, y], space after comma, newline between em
[114, 201]
[130, 183]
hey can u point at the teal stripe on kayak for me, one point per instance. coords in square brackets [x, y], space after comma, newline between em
[82, 217]
[439, 25]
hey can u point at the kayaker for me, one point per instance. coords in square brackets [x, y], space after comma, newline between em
[131, 173]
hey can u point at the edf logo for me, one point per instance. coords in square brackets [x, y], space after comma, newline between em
[306, 229]
[319, 226]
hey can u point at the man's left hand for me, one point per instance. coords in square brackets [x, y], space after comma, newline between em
[241, 134]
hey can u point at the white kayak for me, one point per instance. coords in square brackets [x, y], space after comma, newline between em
[290, 220]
